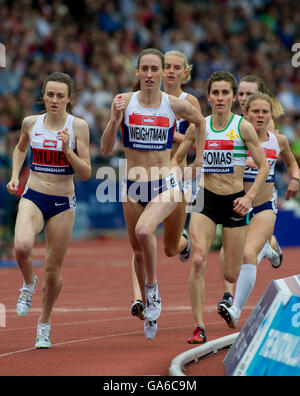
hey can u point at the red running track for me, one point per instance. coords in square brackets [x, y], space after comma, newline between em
[93, 332]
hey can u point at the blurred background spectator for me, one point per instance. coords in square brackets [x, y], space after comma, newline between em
[97, 42]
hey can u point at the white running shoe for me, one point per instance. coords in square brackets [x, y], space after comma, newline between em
[229, 314]
[185, 254]
[150, 329]
[278, 250]
[153, 303]
[272, 255]
[43, 336]
[25, 298]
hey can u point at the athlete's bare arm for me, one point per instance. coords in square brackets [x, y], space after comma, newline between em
[19, 153]
[291, 166]
[185, 146]
[182, 108]
[80, 161]
[117, 112]
[179, 137]
[242, 205]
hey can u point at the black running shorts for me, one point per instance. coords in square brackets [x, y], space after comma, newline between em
[219, 208]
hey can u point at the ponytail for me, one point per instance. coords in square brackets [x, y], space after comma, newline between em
[278, 109]
[137, 86]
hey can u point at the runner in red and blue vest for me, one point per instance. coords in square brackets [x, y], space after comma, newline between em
[248, 86]
[177, 72]
[151, 191]
[59, 146]
[259, 111]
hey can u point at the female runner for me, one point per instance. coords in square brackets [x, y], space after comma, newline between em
[151, 190]
[59, 145]
[221, 198]
[259, 112]
[177, 72]
[250, 85]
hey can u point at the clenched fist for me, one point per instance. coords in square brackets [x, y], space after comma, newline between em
[12, 186]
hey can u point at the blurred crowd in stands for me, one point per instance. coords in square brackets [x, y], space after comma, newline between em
[97, 42]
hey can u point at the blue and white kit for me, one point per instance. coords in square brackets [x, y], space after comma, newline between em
[148, 128]
[50, 205]
[144, 192]
[182, 124]
[272, 151]
[48, 157]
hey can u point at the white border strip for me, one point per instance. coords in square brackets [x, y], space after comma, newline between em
[297, 279]
[193, 355]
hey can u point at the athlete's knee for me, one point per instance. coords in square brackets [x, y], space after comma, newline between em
[199, 263]
[231, 276]
[52, 272]
[52, 278]
[143, 233]
[22, 249]
[138, 255]
[249, 256]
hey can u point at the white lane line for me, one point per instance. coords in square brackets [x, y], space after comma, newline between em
[72, 342]
[208, 308]
[137, 332]
[129, 333]
[82, 322]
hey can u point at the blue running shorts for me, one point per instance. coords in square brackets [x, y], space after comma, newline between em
[50, 205]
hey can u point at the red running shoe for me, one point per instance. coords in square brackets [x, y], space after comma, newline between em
[198, 337]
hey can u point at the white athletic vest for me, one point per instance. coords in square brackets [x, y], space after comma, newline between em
[181, 124]
[47, 155]
[272, 150]
[146, 128]
[224, 149]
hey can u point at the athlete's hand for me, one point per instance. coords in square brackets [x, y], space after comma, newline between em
[242, 205]
[251, 164]
[12, 186]
[192, 171]
[64, 137]
[292, 190]
[118, 107]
